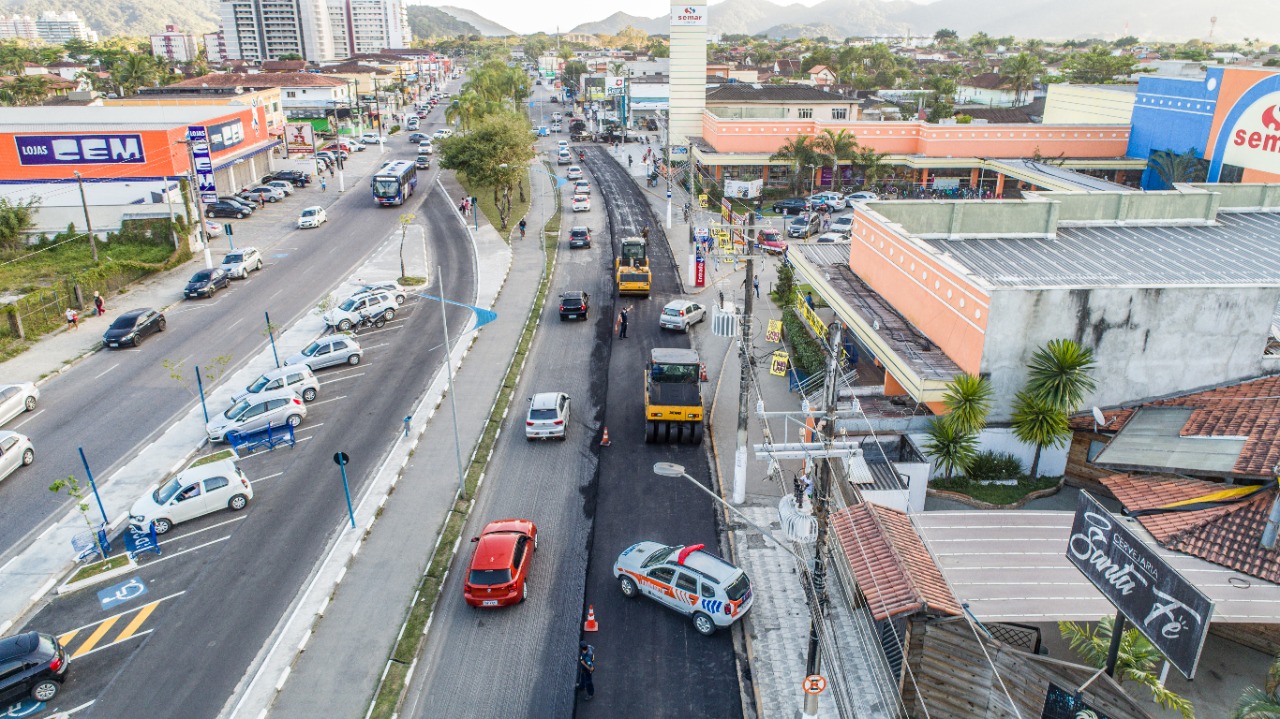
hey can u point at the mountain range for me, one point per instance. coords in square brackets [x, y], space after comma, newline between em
[426, 22]
[125, 17]
[484, 25]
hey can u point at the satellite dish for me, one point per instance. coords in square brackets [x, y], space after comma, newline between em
[1098, 417]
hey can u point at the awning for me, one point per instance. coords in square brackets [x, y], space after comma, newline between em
[246, 154]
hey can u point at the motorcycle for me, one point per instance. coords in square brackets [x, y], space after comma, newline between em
[376, 320]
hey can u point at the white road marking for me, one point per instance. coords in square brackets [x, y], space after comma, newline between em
[39, 412]
[273, 295]
[373, 347]
[269, 476]
[338, 379]
[120, 614]
[233, 324]
[107, 370]
[82, 707]
[206, 529]
[324, 401]
[182, 552]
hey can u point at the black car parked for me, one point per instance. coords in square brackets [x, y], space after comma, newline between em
[207, 282]
[297, 178]
[133, 326]
[574, 305]
[249, 207]
[222, 208]
[31, 665]
[794, 205]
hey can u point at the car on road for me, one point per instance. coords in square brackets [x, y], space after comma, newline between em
[574, 305]
[548, 416]
[770, 241]
[372, 138]
[422, 162]
[563, 158]
[328, 351]
[688, 579]
[15, 451]
[498, 575]
[804, 225]
[579, 236]
[861, 196]
[286, 187]
[192, 493]
[212, 229]
[543, 131]
[222, 208]
[266, 192]
[426, 148]
[416, 137]
[346, 315]
[32, 664]
[206, 283]
[681, 315]
[391, 287]
[843, 225]
[312, 217]
[133, 326]
[297, 377]
[256, 411]
[791, 206]
[582, 187]
[581, 203]
[556, 116]
[573, 173]
[556, 127]
[834, 200]
[16, 399]
[411, 123]
[442, 133]
[239, 263]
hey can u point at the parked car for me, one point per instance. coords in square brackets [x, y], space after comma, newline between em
[442, 133]
[416, 137]
[194, 492]
[346, 315]
[297, 177]
[843, 225]
[206, 283]
[239, 263]
[15, 451]
[267, 192]
[581, 203]
[249, 207]
[861, 196]
[834, 200]
[222, 208]
[372, 138]
[573, 173]
[328, 351]
[791, 206]
[681, 315]
[832, 237]
[32, 664]
[357, 145]
[312, 217]
[16, 399]
[770, 241]
[574, 305]
[390, 287]
[548, 416]
[133, 326]
[298, 377]
[278, 408]
[579, 236]
[689, 579]
[804, 225]
[212, 229]
[582, 187]
[498, 575]
[286, 187]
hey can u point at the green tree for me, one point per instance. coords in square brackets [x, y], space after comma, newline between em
[1038, 423]
[573, 71]
[1172, 167]
[1098, 66]
[872, 164]
[1059, 374]
[1021, 71]
[25, 90]
[968, 401]
[945, 35]
[133, 72]
[835, 146]
[1136, 661]
[658, 48]
[494, 155]
[950, 446]
[16, 220]
[799, 152]
[1262, 703]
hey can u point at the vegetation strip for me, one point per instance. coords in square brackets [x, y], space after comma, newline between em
[390, 691]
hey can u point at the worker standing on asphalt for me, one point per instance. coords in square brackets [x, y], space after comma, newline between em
[586, 667]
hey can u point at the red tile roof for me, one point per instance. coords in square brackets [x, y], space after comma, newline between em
[1249, 409]
[893, 568]
[283, 65]
[1228, 535]
[261, 79]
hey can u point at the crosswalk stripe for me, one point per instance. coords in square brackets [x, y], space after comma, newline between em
[65, 639]
[96, 637]
[137, 621]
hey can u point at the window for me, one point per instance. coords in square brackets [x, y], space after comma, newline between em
[517, 557]
[687, 583]
[805, 113]
[708, 590]
[1095, 448]
[839, 113]
[10, 669]
[213, 484]
[290, 93]
[190, 492]
[662, 574]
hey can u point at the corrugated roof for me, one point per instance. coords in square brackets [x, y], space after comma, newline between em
[109, 118]
[893, 568]
[1241, 249]
[1153, 440]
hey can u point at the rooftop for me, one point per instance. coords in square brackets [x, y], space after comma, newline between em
[1239, 249]
[746, 92]
[353, 68]
[91, 119]
[261, 79]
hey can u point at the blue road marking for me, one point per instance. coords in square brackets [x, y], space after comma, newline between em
[122, 592]
[24, 708]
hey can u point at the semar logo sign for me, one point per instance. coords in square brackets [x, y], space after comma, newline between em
[1255, 140]
[689, 15]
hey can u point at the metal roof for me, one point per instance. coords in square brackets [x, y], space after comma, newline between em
[1011, 566]
[108, 119]
[1240, 249]
[1067, 177]
[1152, 441]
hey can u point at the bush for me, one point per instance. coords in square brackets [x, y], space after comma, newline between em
[806, 354]
[991, 466]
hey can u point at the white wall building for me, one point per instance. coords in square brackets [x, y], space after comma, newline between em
[257, 30]
[688, 71]
[368, 26]
[51, 27]
[215, 48]
[174, 46]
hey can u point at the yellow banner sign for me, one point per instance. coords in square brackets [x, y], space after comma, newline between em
[778, 364]
[774, 332]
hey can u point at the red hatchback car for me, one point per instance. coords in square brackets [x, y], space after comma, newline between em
[499, 569]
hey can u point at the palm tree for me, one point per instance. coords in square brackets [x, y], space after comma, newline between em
[1059, 374]
[133, 72]
[1038, 423]
[1172, 167]
[968, 401]
[952, 447]
[1020, 71]
[1262, 703]
[837, 145]
[799, 151]
[1136, 661]
[872, 164]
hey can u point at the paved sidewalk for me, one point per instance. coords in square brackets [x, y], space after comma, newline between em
[377, 585]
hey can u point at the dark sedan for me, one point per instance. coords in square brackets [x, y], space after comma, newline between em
[248, 207]
[31, 665]
[794, 205]
[297, 177]
[224, 209]
[207, 282]
[579, 237]
[132, 327]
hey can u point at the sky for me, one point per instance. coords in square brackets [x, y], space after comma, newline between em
[526, 17]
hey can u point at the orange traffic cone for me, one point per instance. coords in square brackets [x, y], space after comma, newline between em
[591, 625]
[604, 441]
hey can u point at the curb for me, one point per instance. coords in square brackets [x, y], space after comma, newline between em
[69, 587]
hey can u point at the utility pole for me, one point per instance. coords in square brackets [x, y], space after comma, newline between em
[821, 493]
[744, 381]
[93, 245]
[693, 185]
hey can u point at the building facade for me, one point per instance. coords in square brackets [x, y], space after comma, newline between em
[52, 27]
[174, 46]
[688, 71]
[368, 26]
[257, 30]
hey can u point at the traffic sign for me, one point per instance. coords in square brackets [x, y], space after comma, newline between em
[340, 458]
[814, 684]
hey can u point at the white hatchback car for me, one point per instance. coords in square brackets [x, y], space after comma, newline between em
[581, 203]
[16, 399]
[681, 315]
[690, 580]
[239, 263]
[195, 492]
[255, 412]
[15, 451]
[297, 377]
[548, 416]
[347, 314]
[312, 217]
